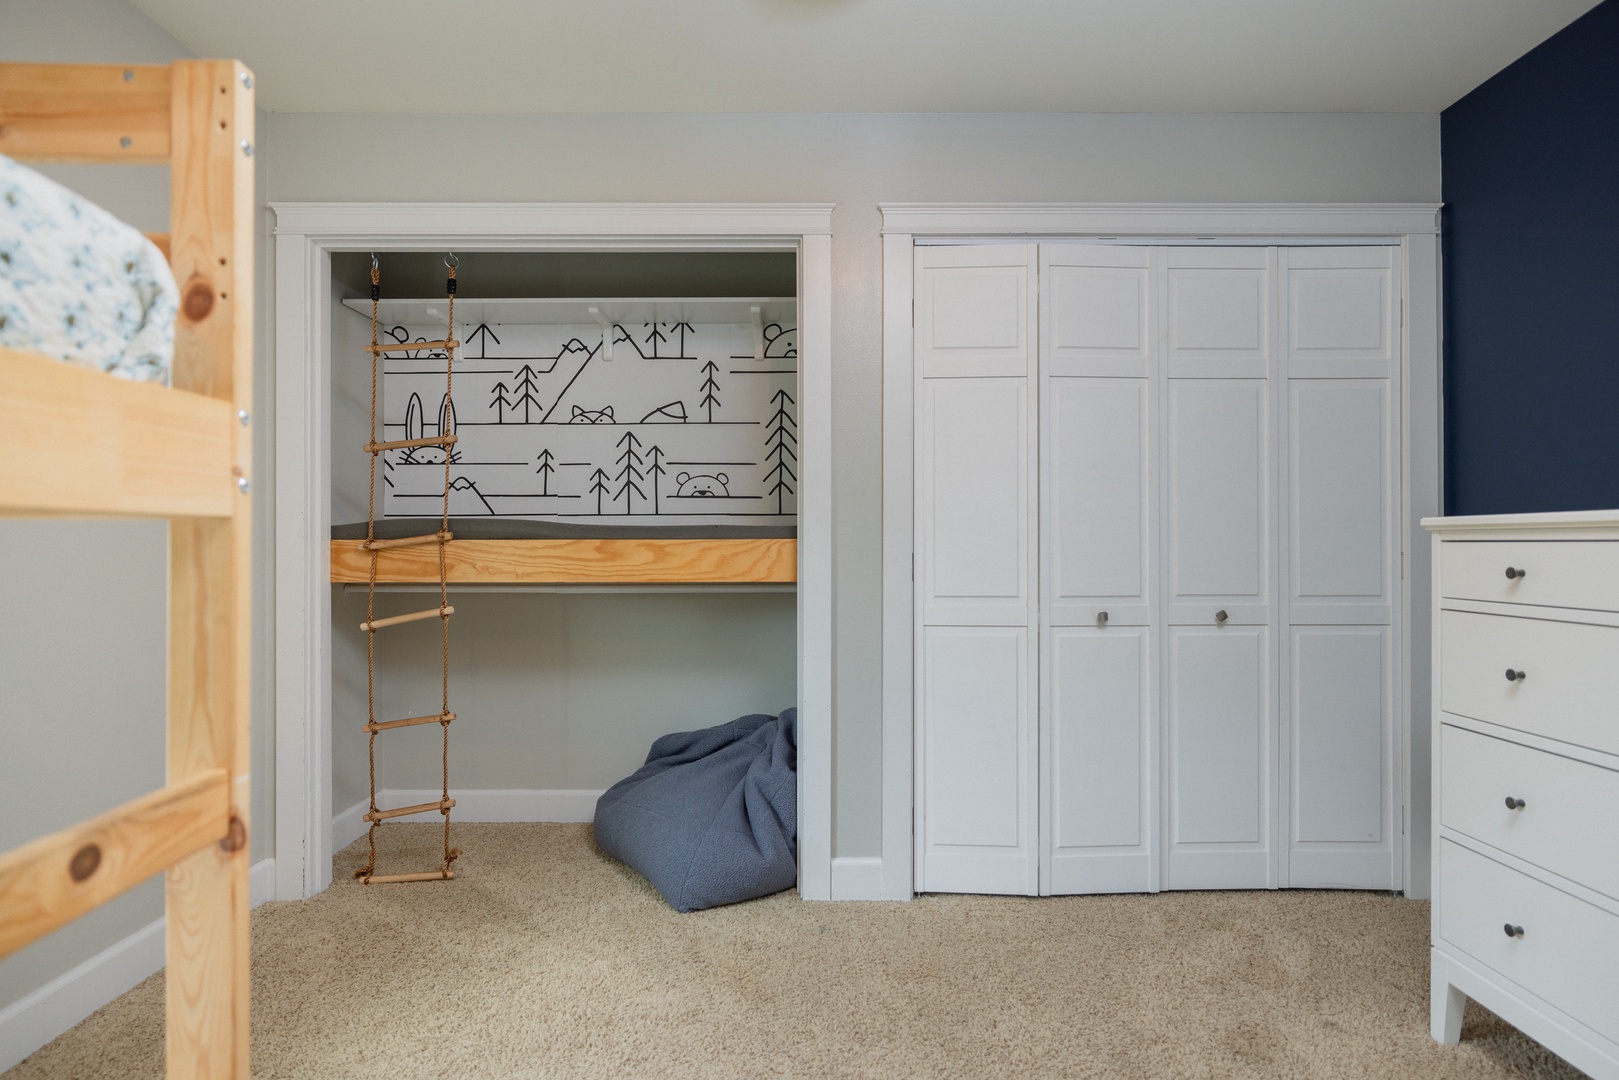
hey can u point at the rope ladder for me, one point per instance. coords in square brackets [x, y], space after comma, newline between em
[445, 439]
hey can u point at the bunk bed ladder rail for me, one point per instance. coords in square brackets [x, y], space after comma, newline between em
[374, 547]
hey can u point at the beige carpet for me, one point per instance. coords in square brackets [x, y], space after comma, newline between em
[547, 959]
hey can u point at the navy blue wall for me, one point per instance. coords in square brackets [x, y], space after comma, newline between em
[1531, 248]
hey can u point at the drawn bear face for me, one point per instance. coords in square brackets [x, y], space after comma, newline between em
[702, 485]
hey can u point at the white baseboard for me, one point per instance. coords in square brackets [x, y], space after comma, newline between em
[32, 1021]
[261, 882]
[474, 805]
[349, 825]
[857, 878]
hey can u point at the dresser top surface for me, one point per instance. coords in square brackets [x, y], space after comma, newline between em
[1600, 524]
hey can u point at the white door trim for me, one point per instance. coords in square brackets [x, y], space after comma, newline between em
[306, 236]
[1414, 227]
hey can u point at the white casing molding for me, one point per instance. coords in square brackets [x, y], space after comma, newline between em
[30, 1022]
[1413, 227]
[306, 236]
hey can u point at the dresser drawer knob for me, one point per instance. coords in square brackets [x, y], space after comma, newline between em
[1516, 676]
[1220, 617]
[1515, 804]
[1101, 618]
[1515, 572]
[1513, 931]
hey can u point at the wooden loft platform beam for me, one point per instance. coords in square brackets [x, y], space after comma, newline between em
[95, 114]
[578, 562]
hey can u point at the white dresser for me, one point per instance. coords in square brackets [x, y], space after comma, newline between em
[1526, 778]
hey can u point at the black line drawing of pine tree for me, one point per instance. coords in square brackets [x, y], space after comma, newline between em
[630, 459]
[777, 438]
[598, 487]
[709, 389]
[655, 470]
[545, 470]
[681, 328]
[526, 389]
[653, 340]
[500, 403]
[483, 336]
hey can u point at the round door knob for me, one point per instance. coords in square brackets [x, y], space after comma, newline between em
[1101, 618]
[1514, 804]
[1515, 572]
[1220, 616]
[1513, 931]
[1516, 676]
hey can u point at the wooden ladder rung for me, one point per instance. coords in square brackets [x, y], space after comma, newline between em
[406, 444]
[424, 875]
[415, 616]
[389, 725]
[440, 805]
[413, 346]
[408, 541]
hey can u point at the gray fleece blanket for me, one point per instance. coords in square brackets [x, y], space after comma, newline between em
[712, 817]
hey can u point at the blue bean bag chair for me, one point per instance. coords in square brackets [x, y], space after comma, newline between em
[712, 817]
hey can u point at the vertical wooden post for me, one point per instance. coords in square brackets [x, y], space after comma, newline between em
[210, 565]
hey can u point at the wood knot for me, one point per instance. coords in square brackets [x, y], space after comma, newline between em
[236, 837]
[85, 861]
[198, 300]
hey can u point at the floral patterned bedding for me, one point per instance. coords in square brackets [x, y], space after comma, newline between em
[79, 285]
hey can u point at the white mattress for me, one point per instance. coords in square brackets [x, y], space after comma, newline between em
[78, 285]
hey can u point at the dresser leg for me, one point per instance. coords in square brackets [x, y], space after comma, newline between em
[1445, 1004]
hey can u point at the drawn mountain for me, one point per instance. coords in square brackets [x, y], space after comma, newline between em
[466, 500]
[672, 413]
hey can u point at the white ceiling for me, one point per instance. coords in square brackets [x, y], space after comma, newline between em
[865, 55]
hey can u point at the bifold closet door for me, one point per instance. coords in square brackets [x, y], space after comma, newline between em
[976, 507]
[1099, 346]
[1219, 559]
[1340, 334]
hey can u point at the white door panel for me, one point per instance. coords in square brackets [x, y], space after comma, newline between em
[1095, 315]
[1341, 749]
[972, 310]
[1220, 757]
[1341, 313]
[1217, 519]
[975, 536]
[1340, 473]
[1097, 761]
[1096, 494]
[1218, 312]
[979, 748]
[974, 506]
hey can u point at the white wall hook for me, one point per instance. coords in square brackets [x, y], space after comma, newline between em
[607, 332]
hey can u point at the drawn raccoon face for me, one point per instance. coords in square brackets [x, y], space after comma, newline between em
[702, 485]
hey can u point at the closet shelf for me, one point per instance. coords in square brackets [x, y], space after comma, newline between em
[529, 311]
[577, 561]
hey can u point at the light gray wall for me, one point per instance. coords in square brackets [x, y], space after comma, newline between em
[856, 161]
[82, 657]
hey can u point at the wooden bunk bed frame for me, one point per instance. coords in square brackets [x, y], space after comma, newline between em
[99, 446]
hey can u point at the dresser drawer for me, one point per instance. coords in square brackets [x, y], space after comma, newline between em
[1566, 953]
[1569, 821]
[1570, 688]
[1572, 573]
